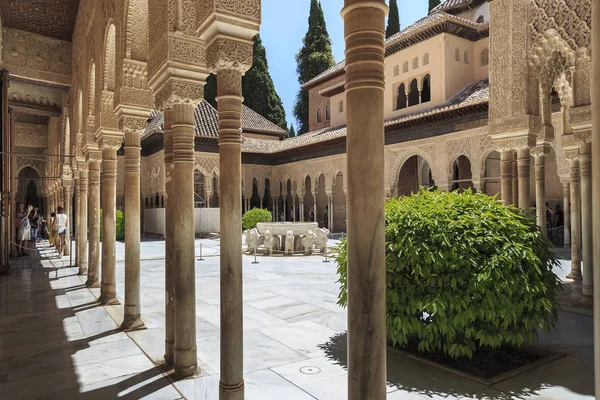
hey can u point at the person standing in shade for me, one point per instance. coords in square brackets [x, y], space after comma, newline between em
[60, 223]
[326, 218]
[34, 221]
[24, 233]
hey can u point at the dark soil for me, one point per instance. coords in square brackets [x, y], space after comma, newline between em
[486, 363]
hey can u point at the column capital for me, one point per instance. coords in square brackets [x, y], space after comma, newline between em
[179, 91]
[93, 155]
[229, 54]
[110, 140]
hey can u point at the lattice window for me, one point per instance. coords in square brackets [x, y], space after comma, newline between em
[416, 63]
[405, 67]
[457, 55]
[396, 70]
[466, 57]
[426, 59]
[484, 57]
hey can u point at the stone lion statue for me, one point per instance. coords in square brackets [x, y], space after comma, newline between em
[320, 239]
[289, 243]
[252, 237]
[307, 242]
[269, 243]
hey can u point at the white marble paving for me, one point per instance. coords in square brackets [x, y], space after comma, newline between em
[57, 343]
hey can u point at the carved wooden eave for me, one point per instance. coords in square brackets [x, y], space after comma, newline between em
[434, 25]
[333, 90]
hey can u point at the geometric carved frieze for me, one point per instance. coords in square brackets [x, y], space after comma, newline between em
[525, 123]
[126, 96]
[30, 135]
[24, 93]
[580, 117]
[222, 10]
[515, 142]
[176, 91]
[229, 54]
[37, 57]
[109, 120]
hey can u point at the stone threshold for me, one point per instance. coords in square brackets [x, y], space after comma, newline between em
[488, 382]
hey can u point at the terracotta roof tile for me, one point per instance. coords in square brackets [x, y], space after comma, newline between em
[339, 67]
[475, 93]
[207, 122]
[454, 5]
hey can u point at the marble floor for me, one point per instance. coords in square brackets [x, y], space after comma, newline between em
[56, 342]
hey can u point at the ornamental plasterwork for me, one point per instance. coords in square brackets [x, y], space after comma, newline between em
[458, 147]
[34, 163]
[28, 93]
[179, 92]
[37, 57]
[187, 49]
[229, 54]
[570, 18]
[246, 9]
[29, 135]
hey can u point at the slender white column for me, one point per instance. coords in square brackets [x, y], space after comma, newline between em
[575, 220]
[83, 219]
[133, 314]
[567, 212]
[523, 166]
[94, 219]
[515, 180]
[540, 191]
[364, 28]
[186, 361]
[170, 242]
[585, 162]
[506, 176]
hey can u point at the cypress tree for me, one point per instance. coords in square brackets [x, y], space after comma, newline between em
[433, 4]
[258, 88]
[292, 131]
[314, 57]
[393, 25]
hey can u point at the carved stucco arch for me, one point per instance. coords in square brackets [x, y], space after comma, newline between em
[109, 70]
[136, 29]
[455, 158]
[91, 97]
[403, 157]
[484, 157]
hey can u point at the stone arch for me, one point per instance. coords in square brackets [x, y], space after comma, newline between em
[461, 171]
[110, 48]
[92, 90]
[490, 172]
[136, 30]
[414, 173]
[405, 156]
[413, 93]
[544, 48]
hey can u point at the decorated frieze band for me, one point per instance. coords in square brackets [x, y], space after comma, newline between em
[229, 54]
[177, 91]
[209, 10]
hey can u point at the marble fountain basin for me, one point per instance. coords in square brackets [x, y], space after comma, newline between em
[282, 228]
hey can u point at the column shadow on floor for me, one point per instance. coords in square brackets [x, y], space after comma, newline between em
[37, 348]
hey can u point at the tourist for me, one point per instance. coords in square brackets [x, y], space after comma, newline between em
[24, 233]
[311, 216]
[53, 235]
[559, 223]
[326, 218]
[60, 222]
[35, 220]
[549, 222]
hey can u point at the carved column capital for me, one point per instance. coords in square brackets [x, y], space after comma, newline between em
[229, 54]
[178, 91]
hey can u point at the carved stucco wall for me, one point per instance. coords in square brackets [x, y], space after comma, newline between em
[37, 57]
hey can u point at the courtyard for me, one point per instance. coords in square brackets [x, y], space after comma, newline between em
[58, 342]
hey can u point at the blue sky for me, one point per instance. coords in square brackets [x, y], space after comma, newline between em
[284, 24]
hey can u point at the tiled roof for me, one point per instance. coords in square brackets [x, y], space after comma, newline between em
[409, 36]
[456, 5]
[253, 121]
[475, 93]
[207, 122]
[337, 68]
[332, 87]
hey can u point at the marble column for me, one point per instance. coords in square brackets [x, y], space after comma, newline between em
[506, 176]
[515, 180]
[76, 194]
[93, 214]
[364, 28]
[595, 88]
[285, 214]
[567, 212]
[108, 288]
[183, 236]
[301, 200]
[523, 165]
[229, 95]
[540, 191]
[67, 205]
[133, 314]
[169, 243]
[315, 209]
[82, 245]
[585, 161]
[575, 220]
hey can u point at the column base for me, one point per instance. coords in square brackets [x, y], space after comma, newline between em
[587, 290]
[92, 284]
[574, 274]
[82, 271]
[186, 372]
[109, 300]
[133, 323]
[231, 392]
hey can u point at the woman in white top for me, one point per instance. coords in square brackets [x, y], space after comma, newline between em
[60, 225]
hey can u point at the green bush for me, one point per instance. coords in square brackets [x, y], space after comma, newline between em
[463, 272]
[254, 216]
[120, 225]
